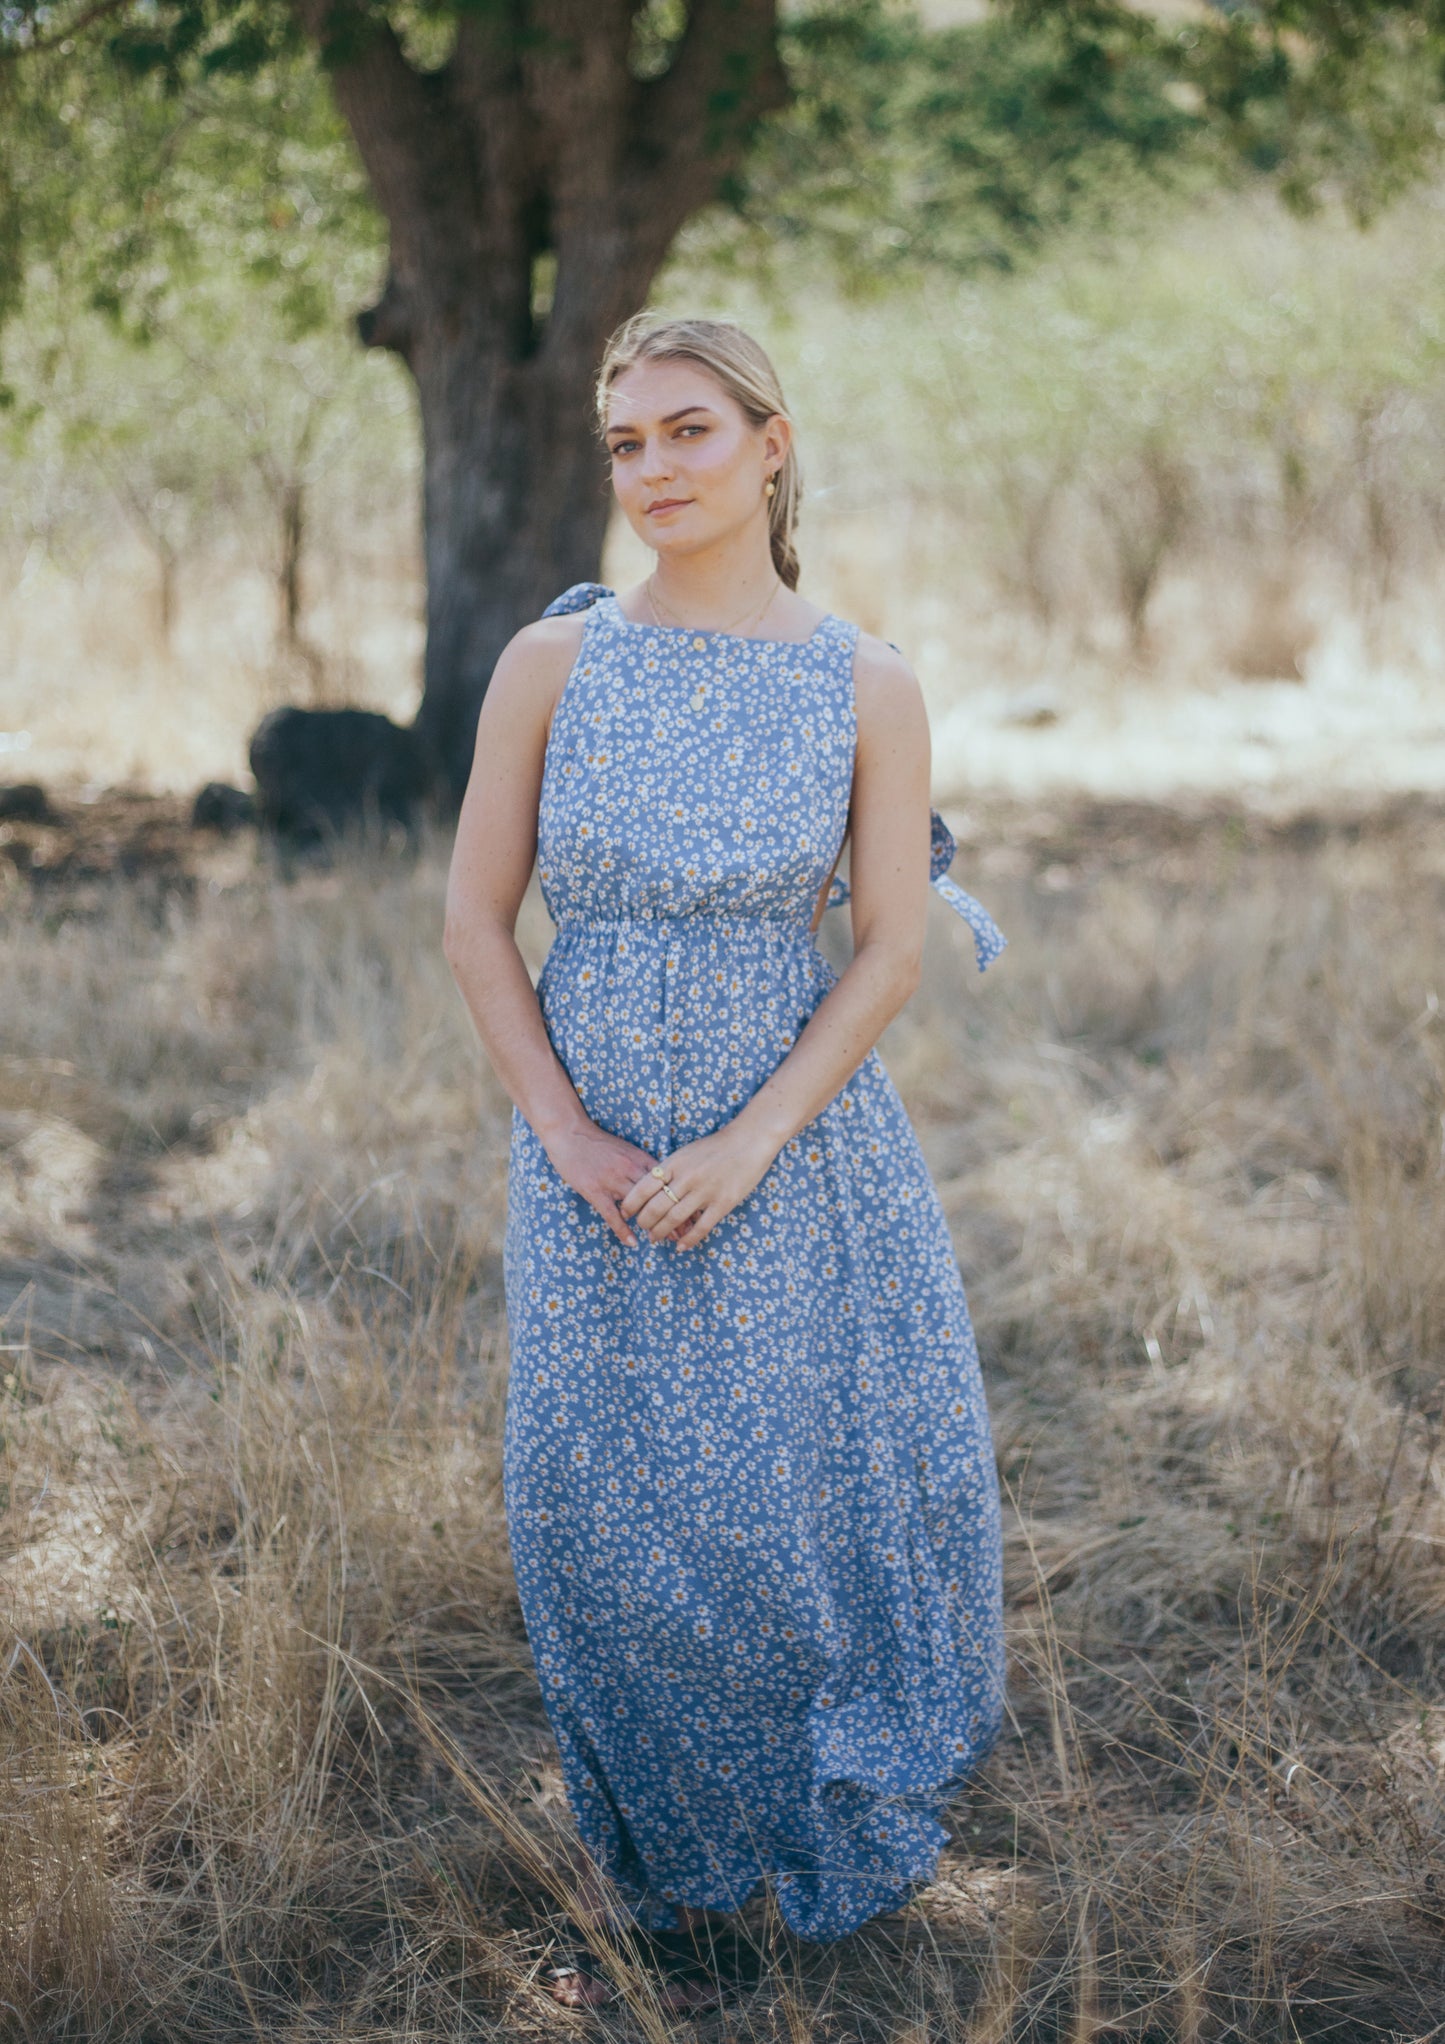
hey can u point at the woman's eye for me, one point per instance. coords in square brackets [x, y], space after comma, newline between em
[624, 447]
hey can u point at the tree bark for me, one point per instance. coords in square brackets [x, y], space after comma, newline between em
[532, 187]
[293, 538]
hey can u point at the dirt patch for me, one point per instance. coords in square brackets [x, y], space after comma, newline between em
[85, 841]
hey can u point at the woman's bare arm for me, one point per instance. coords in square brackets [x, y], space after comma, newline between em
[496, 847]
[888, 879]
[888, 892]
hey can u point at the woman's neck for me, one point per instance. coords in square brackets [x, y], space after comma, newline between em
[716, 589]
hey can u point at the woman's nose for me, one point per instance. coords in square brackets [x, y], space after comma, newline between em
[656, 467]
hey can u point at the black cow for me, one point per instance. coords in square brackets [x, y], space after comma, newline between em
[322, 773]
[223, 808]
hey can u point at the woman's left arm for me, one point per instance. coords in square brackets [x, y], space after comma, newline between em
[888, 877]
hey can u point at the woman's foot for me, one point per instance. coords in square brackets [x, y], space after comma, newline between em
[579, 1983]
[698, 1959]
[683, 1981]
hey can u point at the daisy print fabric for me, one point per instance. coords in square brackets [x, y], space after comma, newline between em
[751, 1491]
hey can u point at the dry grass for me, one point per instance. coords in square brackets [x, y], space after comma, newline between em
[271, 1757]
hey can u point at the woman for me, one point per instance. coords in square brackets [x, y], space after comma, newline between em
[749, 1479]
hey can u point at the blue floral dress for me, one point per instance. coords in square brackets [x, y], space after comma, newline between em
[750, 1487]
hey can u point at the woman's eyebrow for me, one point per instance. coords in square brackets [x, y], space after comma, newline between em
[670, 420]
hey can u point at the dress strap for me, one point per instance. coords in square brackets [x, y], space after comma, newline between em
[581, 596]
[988, 938]
[830, 627]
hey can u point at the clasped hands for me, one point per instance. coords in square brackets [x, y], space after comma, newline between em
[706, 1178]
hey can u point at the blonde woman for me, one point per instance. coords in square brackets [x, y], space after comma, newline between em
[749, 1476]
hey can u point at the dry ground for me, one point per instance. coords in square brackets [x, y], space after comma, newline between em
[271, 1757]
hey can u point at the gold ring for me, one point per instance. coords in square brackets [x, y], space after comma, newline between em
[658, 1172]
[671, 1195]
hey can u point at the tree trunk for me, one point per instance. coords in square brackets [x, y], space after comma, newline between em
[293, 539]
[515, 507]
[535, 153]
[165, 590]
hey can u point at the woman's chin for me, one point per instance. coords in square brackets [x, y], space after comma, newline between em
[676, 542]
[670, 543]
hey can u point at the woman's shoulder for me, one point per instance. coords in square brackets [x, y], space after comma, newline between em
[884, 683]
[539, 647]
[549, 644]
[531, 673]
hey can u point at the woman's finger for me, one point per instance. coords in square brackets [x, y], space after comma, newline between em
[654, 1216]
[677, 1212]
[637, 1192]
[699, 1226]
[608, 1210]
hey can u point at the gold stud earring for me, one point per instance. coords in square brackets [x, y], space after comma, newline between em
[770, 487]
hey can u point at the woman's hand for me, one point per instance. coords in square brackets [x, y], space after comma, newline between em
[600, 1167]
[707, 1178]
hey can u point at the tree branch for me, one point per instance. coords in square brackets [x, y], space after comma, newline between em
[694, 120]
[423, 170]
[388, 105]
[579, 88]
[487, 90]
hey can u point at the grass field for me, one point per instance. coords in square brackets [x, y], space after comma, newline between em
[272, 1762]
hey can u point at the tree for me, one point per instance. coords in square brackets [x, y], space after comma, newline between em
[532, 184]
[534, 160]
[194, 258]
[533, 175]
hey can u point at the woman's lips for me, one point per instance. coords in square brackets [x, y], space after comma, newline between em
[667, 504]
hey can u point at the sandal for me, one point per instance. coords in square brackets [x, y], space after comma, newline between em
[579, 1983]
[579, 1980]
[680, 1962]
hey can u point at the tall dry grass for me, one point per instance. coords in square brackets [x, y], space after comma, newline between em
[272, 1761]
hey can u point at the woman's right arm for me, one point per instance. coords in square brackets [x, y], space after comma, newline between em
[496, 846]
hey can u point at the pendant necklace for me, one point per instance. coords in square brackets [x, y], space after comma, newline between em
[699, 695]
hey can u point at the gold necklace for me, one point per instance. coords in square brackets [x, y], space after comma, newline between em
[698, 698]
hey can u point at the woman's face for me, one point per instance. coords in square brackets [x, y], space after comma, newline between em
[688, 467]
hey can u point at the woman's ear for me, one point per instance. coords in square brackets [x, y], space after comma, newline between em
[777, 439]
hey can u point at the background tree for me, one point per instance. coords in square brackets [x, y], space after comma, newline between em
[534, 160]
[193, 258]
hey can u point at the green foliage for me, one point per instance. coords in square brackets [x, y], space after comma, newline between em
[133, 186]
[962, 148]
[180, 193]
[129, 148]
[1226, 328]
[195, 251]
[1233, 383]
[1306, 96]
[909, 148]
[904, 145]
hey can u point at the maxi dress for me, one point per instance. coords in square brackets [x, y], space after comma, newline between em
[750, 1486]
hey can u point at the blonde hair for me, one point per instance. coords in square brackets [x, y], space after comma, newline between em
[743, 369]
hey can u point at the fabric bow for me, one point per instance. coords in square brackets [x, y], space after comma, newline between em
[988, 938]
